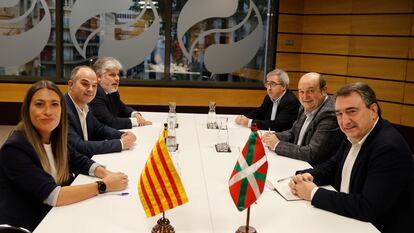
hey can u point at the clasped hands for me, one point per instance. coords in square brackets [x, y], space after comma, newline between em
[115, 181]
[140, 119]
[301, 185]
[128, 139]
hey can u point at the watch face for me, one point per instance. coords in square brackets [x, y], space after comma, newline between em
[101, 187]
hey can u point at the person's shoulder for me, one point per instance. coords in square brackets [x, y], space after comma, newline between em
[100, 91]
[290, 96]
[16, 140]
[385, 137]
[69, 104]
[385, 131]
[328, 105]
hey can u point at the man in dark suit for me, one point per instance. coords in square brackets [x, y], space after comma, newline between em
[372, 171]
[315, 134]
[279, 108]
[107, 105]
[86, 134]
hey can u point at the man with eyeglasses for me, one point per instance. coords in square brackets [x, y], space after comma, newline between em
[279, 108]
[107, 105]
[85, 133]
[315, 135]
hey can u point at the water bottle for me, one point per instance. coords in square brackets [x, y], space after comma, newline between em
[211, 117]
[171, 138]
[223, 136]
[172, 115]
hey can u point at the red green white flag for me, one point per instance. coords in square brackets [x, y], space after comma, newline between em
[248, 178]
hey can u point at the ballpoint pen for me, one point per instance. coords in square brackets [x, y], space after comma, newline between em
[283, 179]
[118, 194]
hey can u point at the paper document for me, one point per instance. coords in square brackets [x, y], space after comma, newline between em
[282, 187]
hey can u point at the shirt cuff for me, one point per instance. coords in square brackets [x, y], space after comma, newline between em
[134, 121]
[133, 113]
[313, 192]
[122, 144]
[249, 124]
[53, 196]
[274, 148]
[93, 168]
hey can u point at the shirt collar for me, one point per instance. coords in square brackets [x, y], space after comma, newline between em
[278, 99]
[78, 109]
[365, 137]
[309, 114]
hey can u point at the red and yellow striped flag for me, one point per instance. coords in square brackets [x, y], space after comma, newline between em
[159, 186]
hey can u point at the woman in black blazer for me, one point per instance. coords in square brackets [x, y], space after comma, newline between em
[35, 164]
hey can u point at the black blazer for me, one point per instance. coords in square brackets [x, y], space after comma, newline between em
[321, 139]
[24, 185]
[381, 185]
[101, 138]
[287, 112]
[110, 110]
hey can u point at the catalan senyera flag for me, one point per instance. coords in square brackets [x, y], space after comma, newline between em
[159, 186]
[249, 174]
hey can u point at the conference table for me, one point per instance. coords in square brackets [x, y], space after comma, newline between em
[205, 174]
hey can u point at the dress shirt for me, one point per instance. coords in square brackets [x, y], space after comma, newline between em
[349, 163]
[134, 121]
[309, 118]
[52, 198]
[274, 109]
[350, 160]
[82, 113]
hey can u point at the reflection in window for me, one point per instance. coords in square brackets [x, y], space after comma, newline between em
[24, 31]
[118, 31]
[209, 41]
[189, 54]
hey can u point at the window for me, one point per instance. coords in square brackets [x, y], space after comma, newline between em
[162, 42]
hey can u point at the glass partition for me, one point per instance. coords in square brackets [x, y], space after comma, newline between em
[165, 42]
[26, 29]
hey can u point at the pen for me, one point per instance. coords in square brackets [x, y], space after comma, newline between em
[283, 179]
[118, 194]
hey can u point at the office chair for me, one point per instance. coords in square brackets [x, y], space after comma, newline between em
[5, 228]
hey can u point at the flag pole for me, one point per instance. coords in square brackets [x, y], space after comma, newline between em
[247, 228]
[163, 225]
[248, 219]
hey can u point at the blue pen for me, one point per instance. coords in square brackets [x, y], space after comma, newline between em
[119, 194]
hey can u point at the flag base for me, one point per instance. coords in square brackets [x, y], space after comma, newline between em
[163, 226]
[244, 229]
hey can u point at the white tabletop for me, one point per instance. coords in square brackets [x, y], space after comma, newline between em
[205, 174]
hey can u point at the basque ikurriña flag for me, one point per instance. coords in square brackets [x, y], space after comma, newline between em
[159, 186]
[249, 175]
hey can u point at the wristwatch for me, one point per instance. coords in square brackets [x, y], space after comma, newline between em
[101, 187]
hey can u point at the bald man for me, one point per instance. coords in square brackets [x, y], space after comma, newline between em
[86, 134]
[315, 135]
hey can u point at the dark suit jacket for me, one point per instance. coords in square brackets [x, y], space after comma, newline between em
[101, 138]
[287, 112]
[381, 188]
[110, 110]
[24, 185]
[321, 140]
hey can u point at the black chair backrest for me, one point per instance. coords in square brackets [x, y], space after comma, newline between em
[11, 229]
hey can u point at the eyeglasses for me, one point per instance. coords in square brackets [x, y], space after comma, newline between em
[271, 84]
